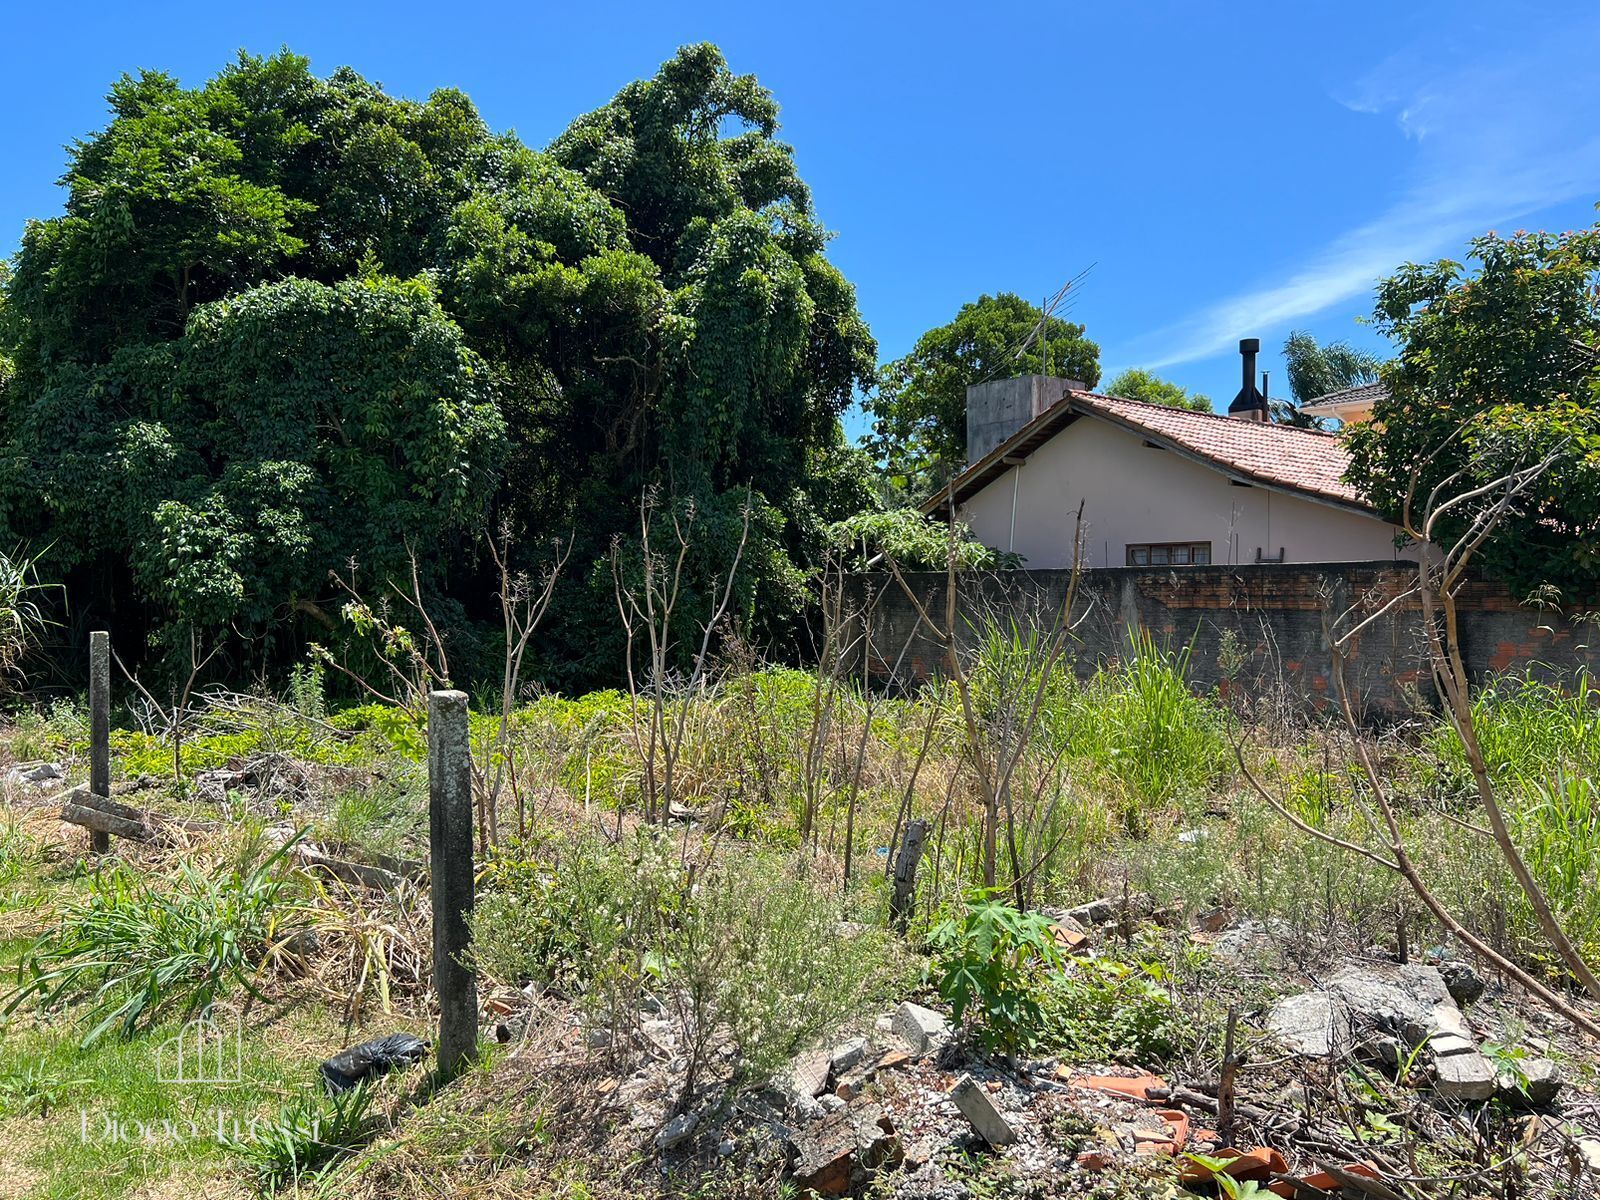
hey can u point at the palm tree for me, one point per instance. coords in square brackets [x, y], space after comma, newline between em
[1317, 370]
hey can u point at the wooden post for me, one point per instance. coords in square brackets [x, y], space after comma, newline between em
[451, 873]
[1228, 1081]
[100, 728]
[902, 902]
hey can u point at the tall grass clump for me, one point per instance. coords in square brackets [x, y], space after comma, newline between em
[17, 851]
[1541, 745]
[1528, 728]
[1142, 723]
[305, 1136]
[130, 951]
[1557, 828]
[22, 615]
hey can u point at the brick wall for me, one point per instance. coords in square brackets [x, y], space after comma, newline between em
[1274, 613]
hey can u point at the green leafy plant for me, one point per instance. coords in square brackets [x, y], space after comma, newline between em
[914, 541]
[919, 414]
[33, 1090]
[130, 950]
[1102, 1008]
[994, 961]
[1509, 1061]
[1495, 368]
[1234, 1189]
[305, 1136]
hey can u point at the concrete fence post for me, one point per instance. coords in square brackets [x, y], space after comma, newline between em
[100, 727]
[451, 875]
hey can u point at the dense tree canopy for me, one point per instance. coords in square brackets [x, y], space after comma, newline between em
[1136, 384]
[1498, 366]
[919, 411]
[288, 320]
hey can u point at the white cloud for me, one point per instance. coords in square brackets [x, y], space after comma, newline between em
[1495, 141]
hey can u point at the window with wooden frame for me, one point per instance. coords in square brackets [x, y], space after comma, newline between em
[1169, 554]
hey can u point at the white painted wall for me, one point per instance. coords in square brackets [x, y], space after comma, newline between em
[1133, 493]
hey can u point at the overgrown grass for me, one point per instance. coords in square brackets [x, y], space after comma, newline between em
[1541, 744]
[134, 948]
[102, 1123]
[1530, 729]
[22, 614]
[744, 944]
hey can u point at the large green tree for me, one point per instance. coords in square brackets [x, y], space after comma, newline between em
[286, 320]
[1137, 384]
[919, 410]
[1498, 366]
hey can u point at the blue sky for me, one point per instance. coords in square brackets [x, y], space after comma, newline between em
[1229, 170]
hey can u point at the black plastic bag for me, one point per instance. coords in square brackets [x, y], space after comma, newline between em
[371, 1059]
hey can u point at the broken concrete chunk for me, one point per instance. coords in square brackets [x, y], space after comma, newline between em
[977, 1108]
[1468, 1076]
[923, 1029]
[807, 1075]
[39, 775]
[1538, 1087]
[848, 1055]
[1314, 1024]
[677, 1131]
[1109, 908]
[1447, 1045]
[1589, 1148]
[1465, 984]
[1410, 999]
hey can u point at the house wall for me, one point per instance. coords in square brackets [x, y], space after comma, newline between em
[1270, 619]
[1135, 493]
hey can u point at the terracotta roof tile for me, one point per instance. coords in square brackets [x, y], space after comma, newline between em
[1306, 460]
[1282, 456]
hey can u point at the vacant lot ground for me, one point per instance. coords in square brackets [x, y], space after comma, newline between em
[692, 983]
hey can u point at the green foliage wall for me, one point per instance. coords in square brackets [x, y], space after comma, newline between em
[1498, 367]
[286, 321]
[920, 408]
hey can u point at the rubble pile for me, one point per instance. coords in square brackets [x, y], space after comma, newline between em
[910, 1108]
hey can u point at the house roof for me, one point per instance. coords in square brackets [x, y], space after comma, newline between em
[1306, 462]
[1362, 393]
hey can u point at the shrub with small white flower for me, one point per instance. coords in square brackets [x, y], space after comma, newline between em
[746, 953]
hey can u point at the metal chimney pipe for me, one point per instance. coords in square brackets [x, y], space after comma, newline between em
[1248, 349]
[1249, 404]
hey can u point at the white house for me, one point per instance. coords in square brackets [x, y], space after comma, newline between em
[1159, 486]
[1350, 405]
